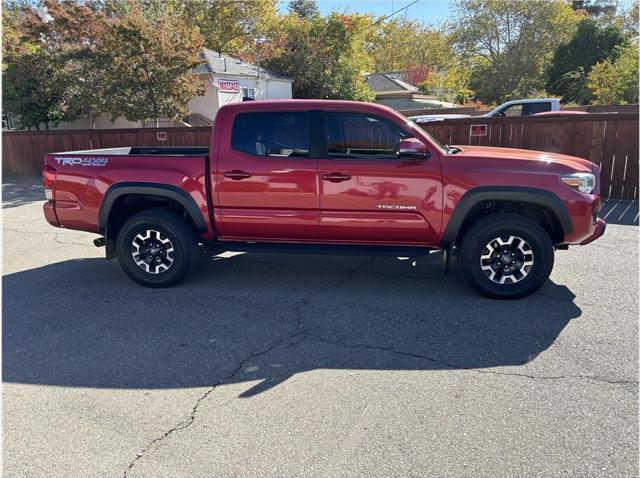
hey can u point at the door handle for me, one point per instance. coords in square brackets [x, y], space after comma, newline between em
[336, 177]
[237, 175]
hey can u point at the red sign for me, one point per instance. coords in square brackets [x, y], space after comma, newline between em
[231, 86]
[478, 130]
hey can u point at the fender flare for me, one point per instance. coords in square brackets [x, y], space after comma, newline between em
[505, 193]
[154, 189]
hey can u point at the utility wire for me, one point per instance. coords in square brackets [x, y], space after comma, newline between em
[382, 19]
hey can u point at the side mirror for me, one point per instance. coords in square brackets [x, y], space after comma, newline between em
[413, 148]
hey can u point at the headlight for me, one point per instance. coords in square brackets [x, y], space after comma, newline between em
[583, 182]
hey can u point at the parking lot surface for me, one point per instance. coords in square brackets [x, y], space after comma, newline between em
[290, 365]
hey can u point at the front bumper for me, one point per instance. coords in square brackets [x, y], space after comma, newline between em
[601, 226]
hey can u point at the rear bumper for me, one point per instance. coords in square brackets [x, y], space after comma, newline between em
[601, 226]
[50, 213]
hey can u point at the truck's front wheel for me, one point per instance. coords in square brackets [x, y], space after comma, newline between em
[506, 256]
[157, 248]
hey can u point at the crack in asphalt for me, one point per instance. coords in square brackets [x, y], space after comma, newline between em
[186, 423]
[298, 332]
[317, 338]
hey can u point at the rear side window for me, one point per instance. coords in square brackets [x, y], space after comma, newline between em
[278, 134]
[533, 108]
[362, 136]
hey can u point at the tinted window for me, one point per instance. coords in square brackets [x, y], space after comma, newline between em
[533, 108]
[271, 134]
[361, 136]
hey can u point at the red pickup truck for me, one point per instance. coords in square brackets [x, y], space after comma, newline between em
[333, 177]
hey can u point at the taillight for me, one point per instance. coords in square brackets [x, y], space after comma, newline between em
[48, 180]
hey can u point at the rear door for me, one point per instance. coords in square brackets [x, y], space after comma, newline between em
[267, 181]
[369, 193]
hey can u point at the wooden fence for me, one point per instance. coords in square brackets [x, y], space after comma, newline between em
[609, 140]
[23, 151]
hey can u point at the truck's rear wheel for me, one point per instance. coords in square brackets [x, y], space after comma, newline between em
[157, 248]
[506, 256]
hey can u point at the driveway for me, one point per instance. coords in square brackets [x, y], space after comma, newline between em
[291, 365]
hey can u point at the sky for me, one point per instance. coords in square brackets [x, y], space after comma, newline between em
[431, 12]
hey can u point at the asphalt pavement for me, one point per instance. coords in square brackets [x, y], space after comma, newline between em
[292, 365]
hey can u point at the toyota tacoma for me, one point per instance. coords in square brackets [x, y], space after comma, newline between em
[332, 177]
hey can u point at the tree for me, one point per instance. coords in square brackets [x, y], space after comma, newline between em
[415, 74]
[150, 63]
[399, 43]
[228, 26]
[595, 8]
[324, 56]
[510, 42]
[628, 19]
[449, 85]
[46, 71]
[304, 8]
[73, 34]
[572, 61]
[616, 81]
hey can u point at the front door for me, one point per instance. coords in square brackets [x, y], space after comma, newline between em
[368, 192]
[266, 181]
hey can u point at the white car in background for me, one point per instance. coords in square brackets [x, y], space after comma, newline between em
[510, 108]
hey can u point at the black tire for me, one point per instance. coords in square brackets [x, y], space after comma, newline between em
[524, 280]
[159, 226]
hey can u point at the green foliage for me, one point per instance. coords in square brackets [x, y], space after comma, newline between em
[628, 19]
[399, 43]
[594, 8]
[304, 8]
[150, 61]
[229, 26]
[324, 56]
[449, 85]
[616, 81]
[572, 61]
[48, 66]
[90, 59]
[510, 42]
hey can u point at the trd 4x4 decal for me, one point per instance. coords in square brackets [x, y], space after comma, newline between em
[78, 161]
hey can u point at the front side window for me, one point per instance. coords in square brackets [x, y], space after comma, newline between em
[280, 134]
[362, 136]
[513, 110]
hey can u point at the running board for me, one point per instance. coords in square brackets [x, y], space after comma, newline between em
[323, 249]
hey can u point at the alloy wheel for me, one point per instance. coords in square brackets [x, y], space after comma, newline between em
[152, 251]
[507, 260]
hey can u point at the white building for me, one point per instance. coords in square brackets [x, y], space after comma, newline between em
[229, 80]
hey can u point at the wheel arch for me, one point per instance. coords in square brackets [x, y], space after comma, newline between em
[148, 189]
[546, 201]
[144, 190]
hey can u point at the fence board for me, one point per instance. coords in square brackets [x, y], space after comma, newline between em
[608, 157]
[609, 140]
